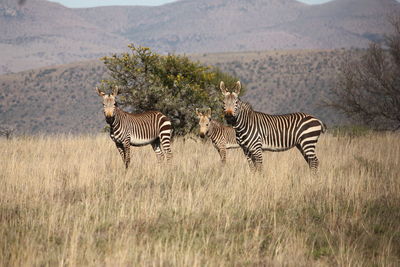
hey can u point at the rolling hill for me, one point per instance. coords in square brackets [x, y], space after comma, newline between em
[61, 99]
[41, 33]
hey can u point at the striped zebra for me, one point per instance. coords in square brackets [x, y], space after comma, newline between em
[222, 137]
[128, 129]
[256, 131]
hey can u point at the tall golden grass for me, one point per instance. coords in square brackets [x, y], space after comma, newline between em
[68, 201]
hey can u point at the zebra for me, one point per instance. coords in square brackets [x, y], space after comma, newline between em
[222, 137]
[126, 129]
[256, 131]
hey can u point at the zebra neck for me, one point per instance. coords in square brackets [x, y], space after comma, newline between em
[244, 111]
[116, 120]
[212, 130]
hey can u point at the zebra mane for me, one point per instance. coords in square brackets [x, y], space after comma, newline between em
[216, 122]
[245, 105]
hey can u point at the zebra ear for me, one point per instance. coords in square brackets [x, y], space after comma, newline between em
[100, 93]
[208, 112]
[223, 88]
[115, 91]
[237, 88]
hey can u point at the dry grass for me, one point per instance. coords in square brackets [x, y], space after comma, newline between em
[68, 201]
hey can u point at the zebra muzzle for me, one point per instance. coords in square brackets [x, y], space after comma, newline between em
[230, 119]
[109, 119]
[229, 112]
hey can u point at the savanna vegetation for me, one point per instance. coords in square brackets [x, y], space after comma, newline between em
[68, 200]
[77, 206]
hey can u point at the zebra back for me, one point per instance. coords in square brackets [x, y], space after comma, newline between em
[140, 128]
[276, 132]
[218, 130]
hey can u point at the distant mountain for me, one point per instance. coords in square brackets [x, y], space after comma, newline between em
[42, 33]
[62, 99]
[346, 23]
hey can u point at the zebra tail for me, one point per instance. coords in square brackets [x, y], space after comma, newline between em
[324, 127]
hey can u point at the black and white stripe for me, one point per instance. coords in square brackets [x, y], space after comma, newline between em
[127, 129]
[256, 131]
[222, 137]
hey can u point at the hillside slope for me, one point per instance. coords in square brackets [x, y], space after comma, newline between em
[52, 100]
[62, 99]
[42, 33]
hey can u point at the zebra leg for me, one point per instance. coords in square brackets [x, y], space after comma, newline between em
[249, 158]
[256, 157]
[221, 148]
[121, 150]
[157, 149]
[310, 157]
[165, 140]
[127, 149]
[254, 154]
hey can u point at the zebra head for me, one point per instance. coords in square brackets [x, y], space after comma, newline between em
[230, 100]
[204, 121]
[109, 102]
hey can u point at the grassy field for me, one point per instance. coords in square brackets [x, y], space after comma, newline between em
[68, 201]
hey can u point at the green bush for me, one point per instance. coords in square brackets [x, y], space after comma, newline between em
[172, 84]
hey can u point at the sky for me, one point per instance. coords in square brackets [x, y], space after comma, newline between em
[92, 3]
